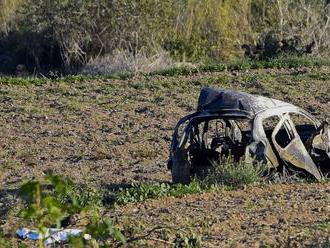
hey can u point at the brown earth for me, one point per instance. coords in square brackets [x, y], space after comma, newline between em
[112, 132]
[273, 216]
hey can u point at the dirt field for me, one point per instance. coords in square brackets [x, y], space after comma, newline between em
[274, 216]
[111, 132]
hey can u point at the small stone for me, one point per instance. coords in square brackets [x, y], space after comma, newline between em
[135, 210]
[318, 210]
[235, 73]
[164, 210]
[282, 221]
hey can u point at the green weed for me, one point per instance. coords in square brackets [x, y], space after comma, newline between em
[228, 172]
[325, 226]
[238, 65]
[22, 81]
[183, 240]
[247, 64]
[143, 191]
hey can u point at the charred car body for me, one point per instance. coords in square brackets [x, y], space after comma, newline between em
[247, 126]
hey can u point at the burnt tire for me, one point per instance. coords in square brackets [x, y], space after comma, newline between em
[180, 168]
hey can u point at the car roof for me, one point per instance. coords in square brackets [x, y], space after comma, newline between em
[230, 102]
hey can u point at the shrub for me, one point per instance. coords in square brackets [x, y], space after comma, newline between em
[209, 29]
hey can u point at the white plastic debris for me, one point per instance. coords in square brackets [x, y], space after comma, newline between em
[25, 233]
[51, 236]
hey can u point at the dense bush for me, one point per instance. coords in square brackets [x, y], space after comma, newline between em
[62, 34]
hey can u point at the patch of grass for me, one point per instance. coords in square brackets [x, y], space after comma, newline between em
[229, 173]
[319, 76]
[39, 81]
[22, 81]
[187, 240]
[325, 226]
[143, 191]
[85, 195]
[246, 64]
[176, 71]
[238, 65]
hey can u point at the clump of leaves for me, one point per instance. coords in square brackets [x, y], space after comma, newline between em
[44, 204]
[143, 191]
[84, 195]
[235, 174]
[50, 200]
[104, 232]
[187, 240]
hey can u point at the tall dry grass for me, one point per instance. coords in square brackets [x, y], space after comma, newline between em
[189, 30]
[8, 10]
[122, 61]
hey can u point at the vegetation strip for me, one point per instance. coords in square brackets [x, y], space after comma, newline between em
[239, 65]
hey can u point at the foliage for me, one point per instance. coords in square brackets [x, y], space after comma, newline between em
[69, 34]
[21, 81]
[184, 240]
[103, 231]
[84, 195]
[209, 29]
[7, 13]
[84, 30]
[54, 198]
[227, 172]
[246, 64]
[44, 208]
[284, 62]
[306, 20]
[143, 191]
[4, 242]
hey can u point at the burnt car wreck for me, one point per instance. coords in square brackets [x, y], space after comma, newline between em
[245, 126]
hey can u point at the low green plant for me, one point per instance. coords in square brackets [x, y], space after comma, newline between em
[226, 173]
[184, 240]
[4, 242]
[235, 174]
[104, 232]
[247, 64]
[22, 81]
[325, 225]
[143, 191]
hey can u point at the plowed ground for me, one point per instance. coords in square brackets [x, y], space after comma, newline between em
[110, 133]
